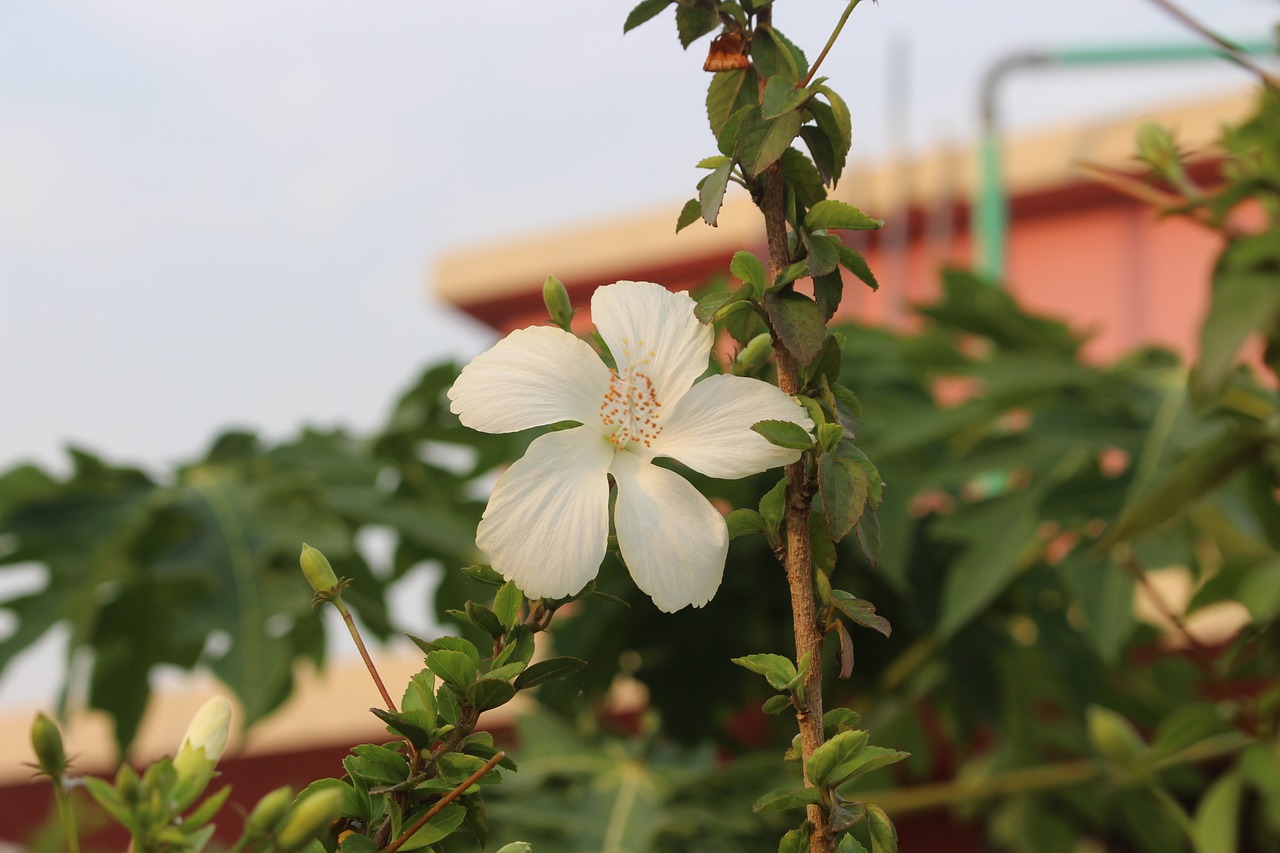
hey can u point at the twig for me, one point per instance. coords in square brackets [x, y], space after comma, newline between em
[442, 802]
[1232, 51]
[364, 653]
[1201, 652]
[826, 48]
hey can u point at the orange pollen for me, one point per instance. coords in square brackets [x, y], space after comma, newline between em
[630, 409]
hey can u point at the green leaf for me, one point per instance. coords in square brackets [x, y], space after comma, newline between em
[694, 22]
[689, 214]
[868, 532]
[824, 254]
[870, 758]
[781, 96]
[761, 141]
[844, 487]
[507, 604]
[487, 693]
[860, 612]
[547, 670]
[997, 534]
[795, 841]
[1195, 475]
[884, 838]
[438, 828]
[416, 725]
[828, 290]
[771, 56]
[729, 92]
[839, 720]
[750, 270]
[1104, 593]
[825, 763]
[841, 121]
[776, 704]
[820, 150]
[455, 644]
[711, 192]
[829, 214]
[833, 140]
[1216, 826]
[645, 11]
[783, 434]
[506, 671]
[803, 180]
[484, 573]
[776, 669]
[798, 321]
[856, 264]
[773, 504]
[484, 619]
[849, 844]
[781, 799]
[744, 521]
[1242, 304]
[454, 668]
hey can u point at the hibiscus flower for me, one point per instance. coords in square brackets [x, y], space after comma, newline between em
[547, 523]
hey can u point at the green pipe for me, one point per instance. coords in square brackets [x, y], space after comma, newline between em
[989, 223]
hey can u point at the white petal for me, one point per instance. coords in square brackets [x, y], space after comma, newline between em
[532, 377]
[653, 330]
[709, 429]
[547, 523]
[673, 541]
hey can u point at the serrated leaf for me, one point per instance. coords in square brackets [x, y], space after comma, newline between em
[824, 253]
[835, 138]
[694, 22]
[645, 11]
[488, 693]
[856, 264]
[547, 670]
[776, 669]
[781, 96]
[417, 726]
[849, 844]
[884, 837]
[773, 504]
[860, 612]
[772, 58]
[438, 828]
[867, 531]
[829, 214]
[828, 290]
[783, 434]
[827, 759]
[689, 214]
[820, 151]
[711, 192]
[869, 759]
[776, 704]
[844, 488]
[795, 841]
[453, 668]
[761, 141]
[782, 799]
[728, 93]
[744, 521]
[798, 321]
[839, 720]
[484, 573]
[507, 604]
[750, 270]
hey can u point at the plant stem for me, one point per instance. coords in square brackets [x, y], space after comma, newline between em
[798, 555]
[826, 48]
[66, 816]
[1231, 50]
[364, 653]
[442, 802]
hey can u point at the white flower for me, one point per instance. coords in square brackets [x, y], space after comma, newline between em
[547, 523]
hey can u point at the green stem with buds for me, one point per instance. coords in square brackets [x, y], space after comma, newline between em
[826, 48]
[364, 653]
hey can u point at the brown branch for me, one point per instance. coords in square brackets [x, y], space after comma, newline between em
[1232, 51]
[442, 802]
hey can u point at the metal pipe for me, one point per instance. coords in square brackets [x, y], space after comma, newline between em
[989, 220]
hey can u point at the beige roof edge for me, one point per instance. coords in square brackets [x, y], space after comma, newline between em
[494, 269]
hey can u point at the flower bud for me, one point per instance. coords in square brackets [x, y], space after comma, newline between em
[46, 740]
[556, 298]
[310, 817]
[269, 811]
[753, 355]
[1157, 148]
[516, 847]
[316, 568]
[202, 745]
[1116, 739]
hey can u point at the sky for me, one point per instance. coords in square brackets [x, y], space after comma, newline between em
[227, 213]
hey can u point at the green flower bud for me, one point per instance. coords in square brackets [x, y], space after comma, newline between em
[269, 811]
[202, 745]
[556, 298]
[1116, 739]
[1157, 148]
[316, 568]
[46, 740]
[310, 817]
[753, 355]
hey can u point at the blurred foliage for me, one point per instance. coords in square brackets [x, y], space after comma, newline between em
[1031, 496]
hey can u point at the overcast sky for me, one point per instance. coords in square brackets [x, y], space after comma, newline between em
[226, 213]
